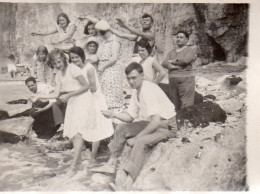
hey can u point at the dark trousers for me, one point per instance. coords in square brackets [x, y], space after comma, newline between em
[182, 91]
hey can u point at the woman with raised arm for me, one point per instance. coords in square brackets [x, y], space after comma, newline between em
[65, 29]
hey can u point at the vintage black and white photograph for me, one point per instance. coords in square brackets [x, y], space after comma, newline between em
[123, 96]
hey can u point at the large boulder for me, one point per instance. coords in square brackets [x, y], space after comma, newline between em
[201, 114]
[231, 106]
[3, 114]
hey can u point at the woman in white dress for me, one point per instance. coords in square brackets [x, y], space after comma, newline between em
[102, 127]
[65, 29]
[75, 89]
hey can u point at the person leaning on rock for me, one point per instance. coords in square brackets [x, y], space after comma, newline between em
[45, 117]
[181, 74]
[150, 119]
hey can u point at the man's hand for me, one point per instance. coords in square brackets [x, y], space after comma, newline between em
[107, 113]
[64, 98]
[131, 141]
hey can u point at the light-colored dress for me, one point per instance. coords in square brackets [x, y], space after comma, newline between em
[102, 127]
[67, 44]
[42, 71]
[149, 71]
[79, 114]
[111, 79]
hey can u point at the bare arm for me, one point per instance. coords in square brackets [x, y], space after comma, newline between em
[84, 87]
[44, 34]
[131, 37]
[90, 18]
[68, 35]
[151, 127]
[147, 35]
[161, 73]
[124, 116]
[53, 95]
[92, 80]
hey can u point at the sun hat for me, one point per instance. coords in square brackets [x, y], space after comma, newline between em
[102, 25]
[92, 39]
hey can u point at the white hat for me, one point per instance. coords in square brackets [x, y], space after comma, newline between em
[92, 39]
[102, 25]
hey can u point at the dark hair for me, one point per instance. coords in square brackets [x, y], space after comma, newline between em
[11, 57]
[86, 27]
[78, 51]
[57, 52]
[42, 49]
[92, 42]
[183, 32]
[29, 79]
[63, 15]
[144, 43]
[146, 15]
[102, 32]
[134, 66]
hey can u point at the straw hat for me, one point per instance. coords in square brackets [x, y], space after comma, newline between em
[102, 25]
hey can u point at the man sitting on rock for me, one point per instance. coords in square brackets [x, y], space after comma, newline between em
[45, 116]
[150, 119]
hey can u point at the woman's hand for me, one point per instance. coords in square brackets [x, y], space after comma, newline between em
[64, 98]
[107, 113]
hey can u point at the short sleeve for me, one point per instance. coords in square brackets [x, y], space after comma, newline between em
[75, 71]
[133, 109]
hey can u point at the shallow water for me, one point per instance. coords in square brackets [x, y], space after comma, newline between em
[39, 165]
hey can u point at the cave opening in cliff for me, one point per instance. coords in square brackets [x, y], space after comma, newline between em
[218, 52]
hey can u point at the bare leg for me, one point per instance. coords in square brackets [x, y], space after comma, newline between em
[95, 146]
[77, 143]
[29, 126]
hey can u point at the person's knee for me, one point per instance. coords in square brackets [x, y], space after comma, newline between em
[141, 144]
[120, 128]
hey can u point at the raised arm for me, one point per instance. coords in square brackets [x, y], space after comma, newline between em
[131, 37]
[147, 35]
[68, 35]
[160, 71]
[90, 18]
[44, 34]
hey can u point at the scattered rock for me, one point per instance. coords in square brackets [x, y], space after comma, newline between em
[12, 138]
[3, 114]
[201, 114]
[100, 178]
[198, 98]
[202, 82]
[209, 97]
[20, 101]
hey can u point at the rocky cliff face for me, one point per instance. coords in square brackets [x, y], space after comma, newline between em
[219, 30]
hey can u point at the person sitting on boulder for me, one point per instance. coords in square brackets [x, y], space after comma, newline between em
[45, 116]
[150, 119]
[181, 74]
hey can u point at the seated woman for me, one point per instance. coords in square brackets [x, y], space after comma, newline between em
[65, 29]
[45, 117]
[153, 71]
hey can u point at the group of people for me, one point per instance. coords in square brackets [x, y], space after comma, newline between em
[88, 92]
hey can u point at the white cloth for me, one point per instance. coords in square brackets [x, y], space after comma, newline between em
[68, 82]
[43, 71]
[102, 127]
[79, 114]
[67, 44]
[149, 71]
[152, 101]
[44, 89]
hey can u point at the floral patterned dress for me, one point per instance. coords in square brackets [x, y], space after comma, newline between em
[111, 79]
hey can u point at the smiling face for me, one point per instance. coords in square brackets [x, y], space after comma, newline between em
[135, 79]
[91, 29]
[42, 56]
[181, 40]
[146, 23]
[32, 86]
[143, 52]
[92, 47]
[76, 59]
[63, 22]
[58, 63]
